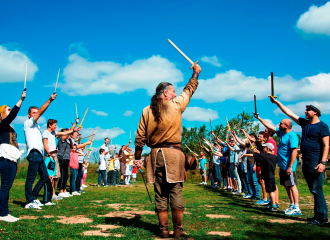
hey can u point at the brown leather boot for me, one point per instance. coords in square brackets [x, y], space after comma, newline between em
[177, 217]
[163, 223]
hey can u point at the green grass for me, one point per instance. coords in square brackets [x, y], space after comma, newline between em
[248, 221]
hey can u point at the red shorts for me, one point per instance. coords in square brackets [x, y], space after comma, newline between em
[258, 172]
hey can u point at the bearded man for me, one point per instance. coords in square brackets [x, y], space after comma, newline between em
[160, 129]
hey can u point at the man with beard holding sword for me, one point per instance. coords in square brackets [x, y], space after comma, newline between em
[160, 129]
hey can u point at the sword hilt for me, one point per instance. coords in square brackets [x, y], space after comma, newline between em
[272, 96]
[193, 65]
[80, 126]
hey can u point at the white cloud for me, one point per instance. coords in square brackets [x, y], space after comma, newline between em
[199, 114]
[212, 60]
[22, 119]
[102, 133]
[128, 113]
[12, 66]
[300, 107]
[84, 77]
[316, 20]
[99, 113]
[236, 86]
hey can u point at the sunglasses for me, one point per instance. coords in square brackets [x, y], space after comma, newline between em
[309, 109]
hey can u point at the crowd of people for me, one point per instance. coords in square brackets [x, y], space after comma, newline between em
[52, 154]
[247, 166]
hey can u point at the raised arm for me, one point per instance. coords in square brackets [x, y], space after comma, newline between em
[82, 145]
[285, 110]
[267, 125]
[237, 139]
[44, 107]
[13, 113]
[247, 135]
[70, 131]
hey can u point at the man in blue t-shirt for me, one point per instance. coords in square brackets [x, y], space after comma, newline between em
[314, 148]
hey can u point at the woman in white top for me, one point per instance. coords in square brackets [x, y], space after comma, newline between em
[9, 153]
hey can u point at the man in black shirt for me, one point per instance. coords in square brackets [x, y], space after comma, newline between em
[314, 148]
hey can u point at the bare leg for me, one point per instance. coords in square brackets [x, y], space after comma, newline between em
[272, 197]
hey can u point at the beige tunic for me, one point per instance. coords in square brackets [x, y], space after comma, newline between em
[167, 131]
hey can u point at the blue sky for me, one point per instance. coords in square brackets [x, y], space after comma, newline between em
[112, 55]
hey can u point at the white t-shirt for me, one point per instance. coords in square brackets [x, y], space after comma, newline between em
[33, 136]
[116, 164]
[80, 158]
[102, 163]
[51, 139]
[106, 148]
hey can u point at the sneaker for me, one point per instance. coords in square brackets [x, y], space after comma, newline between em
[273, 208]
[108, 185]
[262, 202]
[294, 212]
[255, 199]
[62, 195]
[84, 186]
[57, 198]
[15, 218]
[37, 202]
[32, 205]
[98, 185]
[234, 192]
[8, 219]
[49, 204]
[205, 184]
[317, 221]
[247, 196]
[289, 209]
[75, 194]
[202, 183]
[68, 194]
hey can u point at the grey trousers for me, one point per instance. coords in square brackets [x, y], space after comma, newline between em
[166, 192]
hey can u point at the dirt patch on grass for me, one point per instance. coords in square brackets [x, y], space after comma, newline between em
[224, 234]
[209, 206]
[28, 217]
[48, 216]
[101, 233]
[106, 227]
[127, 214]
[218, 216]
[284, 221]
[74, 219]
[117, 206]
[186, 213]
[98, 201]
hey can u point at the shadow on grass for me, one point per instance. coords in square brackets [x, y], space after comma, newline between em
[19, 203]
[134, 222]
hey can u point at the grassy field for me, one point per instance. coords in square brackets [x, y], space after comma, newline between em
[126, 212]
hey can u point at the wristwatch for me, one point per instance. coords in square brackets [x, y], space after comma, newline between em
[323, 163]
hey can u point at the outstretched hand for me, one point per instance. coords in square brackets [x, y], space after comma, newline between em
[138, 163]
[272, 99]
[256, 115]
[53, 97]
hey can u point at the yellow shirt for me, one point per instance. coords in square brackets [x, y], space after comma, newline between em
[111, 166]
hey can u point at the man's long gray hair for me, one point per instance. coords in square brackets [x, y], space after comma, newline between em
[156, 100]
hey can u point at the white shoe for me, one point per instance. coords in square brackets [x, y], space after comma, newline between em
[202, 183]
[15, 218]
[68, 194]
[7, 219]
[49, 204]
[76, 194]
[81, 189]
[57, 198]
[63, 195]
[84, 186]
[205, 183]
[32, 205]
[37, 202]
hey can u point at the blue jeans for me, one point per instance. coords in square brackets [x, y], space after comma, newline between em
[115, 177]
[8, 171]
[36, 165]
[214, 175]
[102, 175]
[315, 183]
[218, 173]
[73, 179]
[252, 179]
[246, 188]
[234, 169]
[80, 176]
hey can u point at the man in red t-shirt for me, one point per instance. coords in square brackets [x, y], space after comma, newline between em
[269, 136]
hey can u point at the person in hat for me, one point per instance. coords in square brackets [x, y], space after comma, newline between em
[267, 160]
[9, 153]
[314, 148]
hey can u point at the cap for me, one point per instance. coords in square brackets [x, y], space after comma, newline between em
[53, 150]
[315, 107]
[269, 145]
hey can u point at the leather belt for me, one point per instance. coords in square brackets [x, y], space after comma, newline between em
[166, 145]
